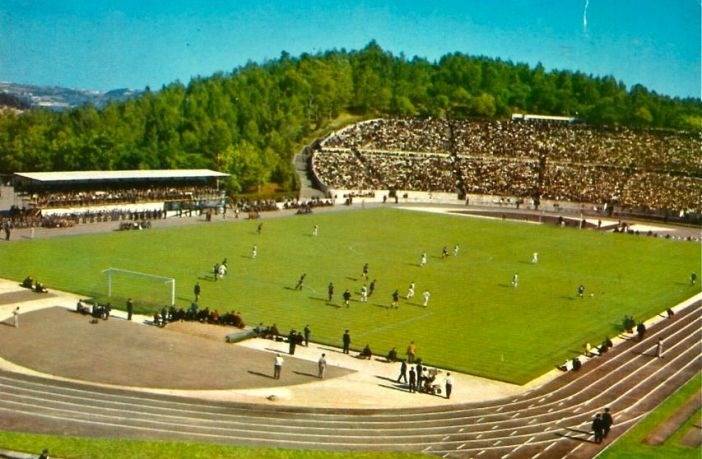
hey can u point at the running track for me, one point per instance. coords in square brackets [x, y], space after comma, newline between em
[548, 422]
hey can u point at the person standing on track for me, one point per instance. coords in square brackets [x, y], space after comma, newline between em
[597, 428]
[15, 317]
[277, 366]
[346, 340]
[403, 372]
[449, 385]
[607, 422]
[322, 367]
[659, 348]
[130, 308]
[307, 332]
[412, 380]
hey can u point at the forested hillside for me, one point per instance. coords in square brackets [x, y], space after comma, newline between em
[250, 121]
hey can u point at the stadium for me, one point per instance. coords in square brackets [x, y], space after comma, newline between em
[350, 253]
[532, 262]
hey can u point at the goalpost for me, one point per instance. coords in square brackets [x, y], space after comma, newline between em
[123, 284]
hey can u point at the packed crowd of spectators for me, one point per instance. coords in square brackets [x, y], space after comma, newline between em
[47, 200]
[33, 217]
[197, 314]
[644, 170]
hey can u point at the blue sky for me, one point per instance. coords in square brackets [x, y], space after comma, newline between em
[102, 44]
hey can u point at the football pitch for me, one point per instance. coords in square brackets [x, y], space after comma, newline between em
[476, 322]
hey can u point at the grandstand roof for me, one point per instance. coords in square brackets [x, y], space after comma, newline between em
[88, 176]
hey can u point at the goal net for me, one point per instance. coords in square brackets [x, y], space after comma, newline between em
[143, 288]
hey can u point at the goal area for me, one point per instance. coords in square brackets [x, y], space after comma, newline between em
[144, 288]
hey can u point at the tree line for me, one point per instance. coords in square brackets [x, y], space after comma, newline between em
[249, 122]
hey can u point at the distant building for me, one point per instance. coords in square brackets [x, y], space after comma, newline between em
[543, 118]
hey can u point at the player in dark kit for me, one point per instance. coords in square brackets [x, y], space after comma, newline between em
[365, 271]
[444, 252]
[300, 282]
[347, 297]
[395, 298]
[693, 278]
[330, 292]
[581, 291]
[260, 227]
[371, 288]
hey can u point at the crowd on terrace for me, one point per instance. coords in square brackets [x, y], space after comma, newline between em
[637, 169]
[55, 199]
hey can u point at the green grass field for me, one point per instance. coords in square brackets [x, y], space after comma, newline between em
[476, 322]
[88, 448]
[632, 446]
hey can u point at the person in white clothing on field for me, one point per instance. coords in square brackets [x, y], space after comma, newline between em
[426, 296]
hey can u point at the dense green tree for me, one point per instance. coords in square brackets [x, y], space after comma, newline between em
[251, 121]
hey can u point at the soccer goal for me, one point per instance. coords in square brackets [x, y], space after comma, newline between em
[141, 287]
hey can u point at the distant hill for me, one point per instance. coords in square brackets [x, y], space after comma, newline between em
[58, 98]
[251, 121]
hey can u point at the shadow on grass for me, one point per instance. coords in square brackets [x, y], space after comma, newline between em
[417, 305]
